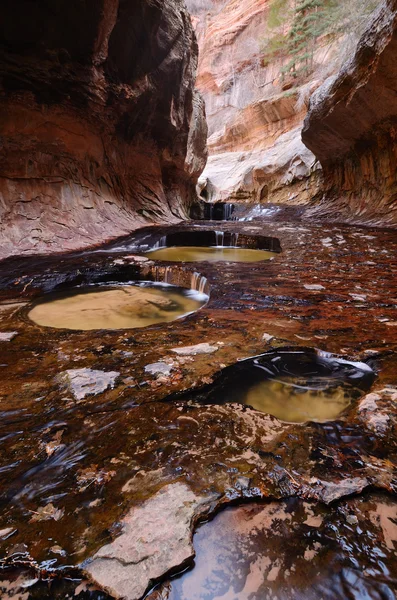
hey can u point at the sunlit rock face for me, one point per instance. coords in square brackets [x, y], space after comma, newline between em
[101, 128]
[351, 127]
[254, 119]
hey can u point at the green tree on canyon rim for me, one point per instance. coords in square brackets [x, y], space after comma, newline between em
[301, 23]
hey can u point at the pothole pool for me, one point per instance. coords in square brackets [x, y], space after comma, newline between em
[213, 246]
[293, 386]
[213, 254]
[132, 306]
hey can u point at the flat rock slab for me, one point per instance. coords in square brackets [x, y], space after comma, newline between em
[86, 382]
[7, 336]
[194, 350]
[159, 368]
[156, 538]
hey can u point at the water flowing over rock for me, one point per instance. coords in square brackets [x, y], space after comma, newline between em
[351, 128]
[101, 128]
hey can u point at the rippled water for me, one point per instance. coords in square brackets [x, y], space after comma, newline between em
[294, 550]
[125, 307]
[213, 254]
[293, 386]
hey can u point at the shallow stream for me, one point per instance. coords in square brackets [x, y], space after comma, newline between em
[120, 394]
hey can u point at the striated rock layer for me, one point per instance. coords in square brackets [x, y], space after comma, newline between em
[352, 124]
[254, 117]
[101, 128]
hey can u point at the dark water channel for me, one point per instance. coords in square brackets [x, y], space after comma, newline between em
[294, 550]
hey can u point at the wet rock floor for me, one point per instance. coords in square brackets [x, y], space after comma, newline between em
[87, 458]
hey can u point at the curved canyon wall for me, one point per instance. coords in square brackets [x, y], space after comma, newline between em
[352, 128]
[101, 128]
[254, 118]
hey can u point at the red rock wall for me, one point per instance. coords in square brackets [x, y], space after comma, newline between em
[352, 128]
[101, 128]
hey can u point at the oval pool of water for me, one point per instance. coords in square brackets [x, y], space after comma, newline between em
[116, 307]
[211, 254]
[294, 386]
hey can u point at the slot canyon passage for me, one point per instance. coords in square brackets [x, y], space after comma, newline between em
[198, 300]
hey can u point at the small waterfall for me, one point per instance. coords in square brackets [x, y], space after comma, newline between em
[219, 211]
[163, 274]
[162, 243]
[167, 275]
[229, 241]
[227, 211]
[198, 283]
[219, 238]
[233, 239]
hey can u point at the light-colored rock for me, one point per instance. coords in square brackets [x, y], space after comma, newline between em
[266, 337]
[329, 491]
[262, 174]
[249, 110]
[156, 537]
[7, 336]
[87, 382]
[159, 368]
[194, 350]
[315, 287]
[378, 409]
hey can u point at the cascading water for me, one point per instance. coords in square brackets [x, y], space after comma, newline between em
[228, 210]
[220, 211]
[161, 243]
[219, 238]
[199, 283]
[230, 241]
[233, 239]
[257, 212]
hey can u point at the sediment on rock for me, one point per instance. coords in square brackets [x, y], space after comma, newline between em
[102, 130]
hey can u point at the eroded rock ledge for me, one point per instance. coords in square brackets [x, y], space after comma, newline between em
[351, 128]
[101, 128]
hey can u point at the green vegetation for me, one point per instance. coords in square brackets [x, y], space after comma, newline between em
[303, 22]
[277, 13]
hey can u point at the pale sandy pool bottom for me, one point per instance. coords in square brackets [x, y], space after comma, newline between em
[294, 403]
[210, 254]
[121, 307]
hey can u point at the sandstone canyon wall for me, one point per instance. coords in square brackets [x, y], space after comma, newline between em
[256, 152]
[352, 128]
[101, 128]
